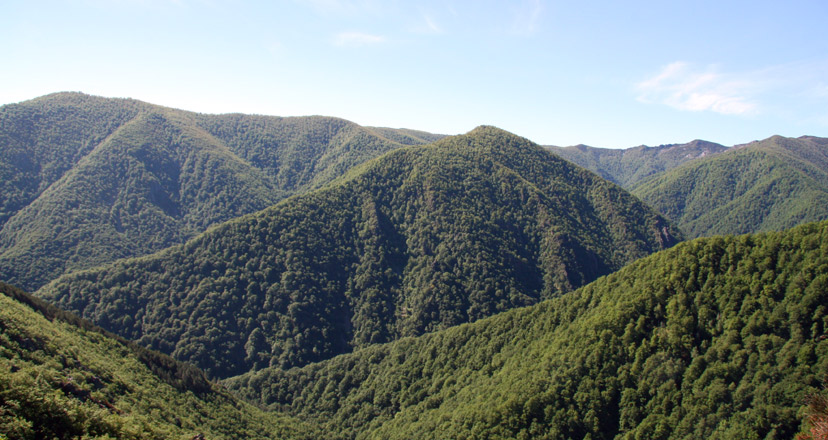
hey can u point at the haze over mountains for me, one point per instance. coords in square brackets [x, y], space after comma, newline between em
[391, 283]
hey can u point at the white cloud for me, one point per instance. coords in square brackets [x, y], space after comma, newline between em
[356, 39]
[681, 86]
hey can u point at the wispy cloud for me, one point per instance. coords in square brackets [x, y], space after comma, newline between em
[343, 7]
[356, 39]
[527, 17]
[794, 91]
[685, 87]
[428, 25]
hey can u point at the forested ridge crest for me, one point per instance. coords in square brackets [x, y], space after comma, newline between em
[420, 239]
[720, 337]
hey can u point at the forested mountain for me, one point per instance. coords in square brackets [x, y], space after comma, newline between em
[716, 338]
[767, 185]
[86, 180]
[627, 167]
[407, 136]
[62, 378]
[421, 239]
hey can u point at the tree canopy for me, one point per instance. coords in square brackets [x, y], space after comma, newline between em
[716, 338]
[87, 180]
[421, 239]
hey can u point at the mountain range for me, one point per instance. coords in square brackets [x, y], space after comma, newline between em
[238, 276]
[423, 238]
[708, 189]
[627, 167]
[768, 185]
[88, 180]
[716, 338]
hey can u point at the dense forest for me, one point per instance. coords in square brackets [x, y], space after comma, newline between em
[716, 338]
[63, 378]
[245, 276]
[767, 185]
[87, 180]
[708, 189]
[421, 239]
[627, 167]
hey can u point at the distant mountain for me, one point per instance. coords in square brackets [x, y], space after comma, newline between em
[62, 378]
[86, 180]
[716, 338]
[406, 136]
[767, 185]
[421, 239]
[627, 167]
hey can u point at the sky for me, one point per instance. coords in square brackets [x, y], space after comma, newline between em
[603, 73]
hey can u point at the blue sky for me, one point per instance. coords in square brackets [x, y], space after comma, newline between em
[606, 74]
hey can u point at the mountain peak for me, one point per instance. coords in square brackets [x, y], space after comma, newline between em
[422, 238]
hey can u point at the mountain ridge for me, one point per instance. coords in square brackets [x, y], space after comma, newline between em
[771, 184]
[61, 377]
[719, 337]
[152, 176]
[627, 167]
[422, 238]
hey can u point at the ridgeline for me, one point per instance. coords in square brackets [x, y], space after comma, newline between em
[421, 239]
[87, 180]
[716, 338]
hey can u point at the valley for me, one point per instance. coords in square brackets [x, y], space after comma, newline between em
[165, 274]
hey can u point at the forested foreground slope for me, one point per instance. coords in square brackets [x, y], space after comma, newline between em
[62, 378]
[717, 338]
[629, 166]
[767, 185]
[421, 239]
[86, 180]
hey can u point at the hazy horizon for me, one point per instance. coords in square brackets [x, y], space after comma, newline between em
[605, 75]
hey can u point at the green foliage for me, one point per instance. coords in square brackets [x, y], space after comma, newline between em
[86, 180]
[769, 185]
[630, 166]
[63, 378]
[42, 139]
[406, 136]
[421, 239]
[716, 338]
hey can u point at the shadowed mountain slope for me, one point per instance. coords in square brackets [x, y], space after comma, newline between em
[717, 338]
[87, 180]
[421, 239]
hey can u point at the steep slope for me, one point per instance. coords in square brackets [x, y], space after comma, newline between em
[768, 185]
[62, 378]
[88, 180]
[42, 139]
[423, 238]
[629, 166]
[154, 182]
[718, 338]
